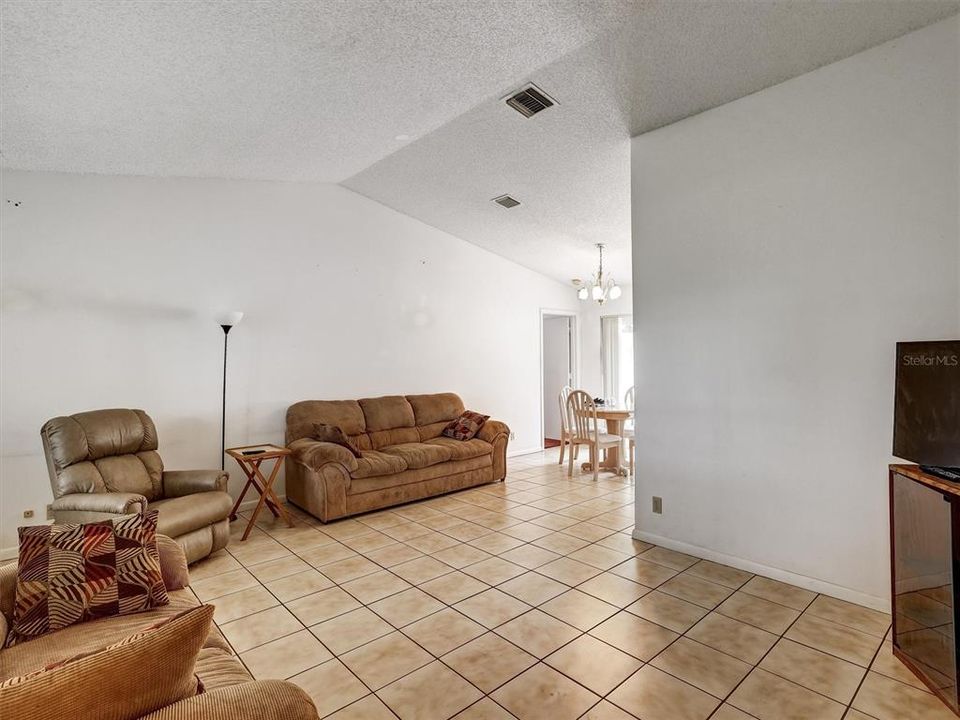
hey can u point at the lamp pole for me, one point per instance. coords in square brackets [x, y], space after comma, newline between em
[226, 323]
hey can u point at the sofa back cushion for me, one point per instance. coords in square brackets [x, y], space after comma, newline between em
[436, 407]
[387, 413]
[103, 451]
[345, 414]
[434, 412]
[373, 423]
[390, 420]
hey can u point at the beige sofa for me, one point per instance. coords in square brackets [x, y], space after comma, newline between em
[104, 463]
[229, 691]
[404, 456]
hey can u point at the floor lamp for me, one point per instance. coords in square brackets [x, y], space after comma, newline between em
[226, 321]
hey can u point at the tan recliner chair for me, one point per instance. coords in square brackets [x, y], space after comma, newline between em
[104, 463]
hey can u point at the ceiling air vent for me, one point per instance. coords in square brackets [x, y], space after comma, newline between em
[506, 201]
[529, 101]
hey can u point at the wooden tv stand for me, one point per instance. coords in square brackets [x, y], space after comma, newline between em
[925, 577]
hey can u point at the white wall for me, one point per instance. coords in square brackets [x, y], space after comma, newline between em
[556, 370]
[591, 371]
[111, 284]
[782, 244]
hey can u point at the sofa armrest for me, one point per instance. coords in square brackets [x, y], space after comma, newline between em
[173, 563]
[315, 454]
[177, 483]
[108, 502]
[492, 429]
[257, 700]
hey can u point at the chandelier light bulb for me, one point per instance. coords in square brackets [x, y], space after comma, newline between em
[601, 287]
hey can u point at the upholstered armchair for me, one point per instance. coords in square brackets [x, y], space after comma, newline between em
[104, 463]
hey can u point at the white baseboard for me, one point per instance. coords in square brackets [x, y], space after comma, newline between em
[525, 451]
[9, 553]
[803, 581]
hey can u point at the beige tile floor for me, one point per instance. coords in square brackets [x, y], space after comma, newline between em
[529, 599]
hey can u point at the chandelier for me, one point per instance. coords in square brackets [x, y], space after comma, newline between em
[601, 288]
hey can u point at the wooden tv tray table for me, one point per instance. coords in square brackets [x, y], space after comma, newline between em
[249, 458]
[615, 418]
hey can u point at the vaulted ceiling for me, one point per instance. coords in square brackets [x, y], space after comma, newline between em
[402, 101]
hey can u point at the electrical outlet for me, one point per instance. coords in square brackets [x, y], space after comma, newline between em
[27, 514]
[657, 505]
[513, 436]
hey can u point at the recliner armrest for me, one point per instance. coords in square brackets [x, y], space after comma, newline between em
[315, 454]
[108, 502]
[177, 483]
[492, 429]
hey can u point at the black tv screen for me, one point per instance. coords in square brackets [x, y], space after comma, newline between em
[926, 427]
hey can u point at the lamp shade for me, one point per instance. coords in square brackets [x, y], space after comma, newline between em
[597, 292]
[230, 318]
[615, 292]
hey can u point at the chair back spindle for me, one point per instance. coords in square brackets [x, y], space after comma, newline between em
[582, 410]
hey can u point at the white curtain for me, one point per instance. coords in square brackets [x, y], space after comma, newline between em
[610, 342]
[617, 344]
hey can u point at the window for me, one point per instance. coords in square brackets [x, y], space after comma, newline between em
[617, 349]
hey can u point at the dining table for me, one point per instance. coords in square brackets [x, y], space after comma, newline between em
[615, 418]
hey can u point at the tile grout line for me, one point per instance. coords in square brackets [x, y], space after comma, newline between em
[468, 510]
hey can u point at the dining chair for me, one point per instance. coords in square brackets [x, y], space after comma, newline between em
[565, 422]
[629, 425]
[584, 428]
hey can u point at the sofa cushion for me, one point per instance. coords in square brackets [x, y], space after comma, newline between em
[394, 436]
[386, 413]
[69, 574]
[419, 455]
[85, 637]
[373, 463]
[141, 673]
[431, 431]
[428, 409]
[389, 485]
[463, 449]
[345, 414]
[181, 515]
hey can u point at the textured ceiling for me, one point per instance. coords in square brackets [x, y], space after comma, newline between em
[281, 90]
[320, 91]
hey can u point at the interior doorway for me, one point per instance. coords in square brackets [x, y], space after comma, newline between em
[558, 358]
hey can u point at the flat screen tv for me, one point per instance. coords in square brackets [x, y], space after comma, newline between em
[926, 427]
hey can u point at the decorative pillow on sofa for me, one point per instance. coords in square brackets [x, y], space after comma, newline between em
[333, 434]
[465, 426]
[144, 672]
[68, 574]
